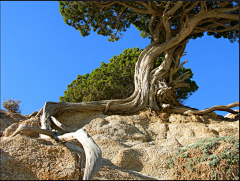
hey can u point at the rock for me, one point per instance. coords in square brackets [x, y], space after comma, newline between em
[7, 118]
[36, 159]
[35, 121]
[117, 126]
[128, 159]
[232, 116]
[137, 146]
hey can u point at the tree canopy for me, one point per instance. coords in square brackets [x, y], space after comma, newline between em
[115, 80]
[110, 18]
[169, 25]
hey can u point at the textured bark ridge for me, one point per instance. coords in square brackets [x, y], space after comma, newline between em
[92, 151]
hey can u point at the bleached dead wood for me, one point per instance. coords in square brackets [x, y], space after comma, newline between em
[39, 112]
[92, 151]
[214, 108]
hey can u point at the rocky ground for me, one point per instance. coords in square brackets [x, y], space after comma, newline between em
[138, 146]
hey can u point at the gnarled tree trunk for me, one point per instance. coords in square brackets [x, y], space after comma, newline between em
[154, 88]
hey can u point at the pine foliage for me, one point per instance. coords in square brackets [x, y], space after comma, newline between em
[115, 80]
[109, 18]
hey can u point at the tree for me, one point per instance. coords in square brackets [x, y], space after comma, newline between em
[114, 80]
[169, 25]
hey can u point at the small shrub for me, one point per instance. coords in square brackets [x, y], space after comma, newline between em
[12, 106]
[208, 159]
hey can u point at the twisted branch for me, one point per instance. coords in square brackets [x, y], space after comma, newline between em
[214, 108]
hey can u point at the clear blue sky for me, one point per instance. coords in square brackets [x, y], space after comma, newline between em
[41, 55]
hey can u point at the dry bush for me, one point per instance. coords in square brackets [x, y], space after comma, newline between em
[208, 159]
[12, 105]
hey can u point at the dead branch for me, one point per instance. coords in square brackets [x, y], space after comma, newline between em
[23, 127]
[33, 114]
[60, 125]
[39, 112]
[92, 151]
[211, 109]
[174, 71]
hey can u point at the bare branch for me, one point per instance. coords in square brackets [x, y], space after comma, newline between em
[202, 6]
[167, 28]
[223, 10]
[166, 8]
[214, 108]
[23, 127]
[214, 14]
[60, 125]
[121, 3]
[144, 4]
[182, 77]
[223, 4]
[92, 151]
[192, 6]
[131, 7]
[174, 8]
[180, 66]
[187, 3]
[221, 24]
[218, 31]
[151, 23]
[150, 5]
[39, 112]
[180, 85]
[211, 26]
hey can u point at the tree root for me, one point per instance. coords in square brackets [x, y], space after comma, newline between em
[92, 151]
[214, 108]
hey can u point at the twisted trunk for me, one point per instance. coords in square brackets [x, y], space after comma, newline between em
[153, 87]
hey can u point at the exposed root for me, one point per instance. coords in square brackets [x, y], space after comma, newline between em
[92, 151]
[214, 108]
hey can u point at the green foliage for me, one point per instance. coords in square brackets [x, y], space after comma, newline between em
[221, 156]
[112, 20]
[115, 80]
[232, 35]
[12, 105]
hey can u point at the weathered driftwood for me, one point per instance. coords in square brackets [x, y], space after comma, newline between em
[214, 108]
[92, 151]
